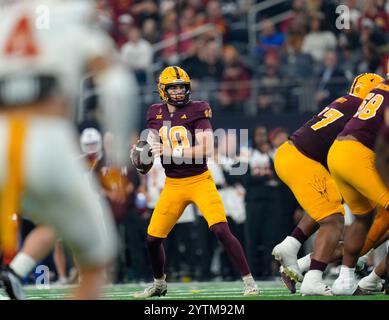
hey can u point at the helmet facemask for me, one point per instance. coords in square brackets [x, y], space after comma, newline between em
[178, 100]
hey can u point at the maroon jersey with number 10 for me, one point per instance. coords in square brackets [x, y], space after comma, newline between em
[179, 128]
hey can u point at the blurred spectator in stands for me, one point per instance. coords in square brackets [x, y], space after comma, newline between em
[121, 16]
[144, 9]
[327, 9]
[150, 31]
[231, 56]
[204, 66]
[214, 15]
[233, 10]
[349, 60]
[119, 7]
[349, 37]
[187, 24]
[197, 5]
[370, 60]
[172, 53]
[212, 66]
[166, 6]
[236, 14]
[235, 88]
[277, 136]
[318, 41]
[384, 64]
[269, 39]
[355, 12]
[104, 16]
[169, 31]
[350, 49]
[271, 96]
[298, 21]
[192, 62]
[375, 11]
[125, 23]
[188, 20]
[332, 81]
[370, 33]
[137, 54]
[295, 64]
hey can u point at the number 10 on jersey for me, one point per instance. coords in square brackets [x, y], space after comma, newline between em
[175, 136]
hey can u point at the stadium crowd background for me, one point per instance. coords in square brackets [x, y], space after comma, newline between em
[297, 64]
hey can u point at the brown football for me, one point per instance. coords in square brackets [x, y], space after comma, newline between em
[142, 157]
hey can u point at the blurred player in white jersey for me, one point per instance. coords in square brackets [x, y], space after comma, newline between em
[41, 66]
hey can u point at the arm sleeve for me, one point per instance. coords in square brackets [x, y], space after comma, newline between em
[203, 124]
[149, 119]
[203, 119]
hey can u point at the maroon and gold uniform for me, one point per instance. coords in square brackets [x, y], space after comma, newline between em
[316, 136]
[185, 131]
[187, 182]
[179, 128]
[301, 161]
[366, 124]
[351, 158]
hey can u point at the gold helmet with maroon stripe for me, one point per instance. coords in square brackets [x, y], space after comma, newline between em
[171, 76]
[364, 83]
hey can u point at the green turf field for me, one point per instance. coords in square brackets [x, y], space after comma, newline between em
[270, 290]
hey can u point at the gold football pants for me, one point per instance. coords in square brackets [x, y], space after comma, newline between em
[177, 194]
[310, 182]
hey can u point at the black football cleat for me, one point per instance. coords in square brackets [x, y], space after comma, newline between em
[12, 284]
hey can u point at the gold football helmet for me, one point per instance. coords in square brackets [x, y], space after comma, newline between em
[170, 76]
[364, 83]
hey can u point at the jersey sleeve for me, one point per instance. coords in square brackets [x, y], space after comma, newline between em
[384, 130]
[151, 117]
[203, 116]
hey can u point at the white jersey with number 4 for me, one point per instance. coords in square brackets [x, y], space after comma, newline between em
[49, 37]
[37, 152]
